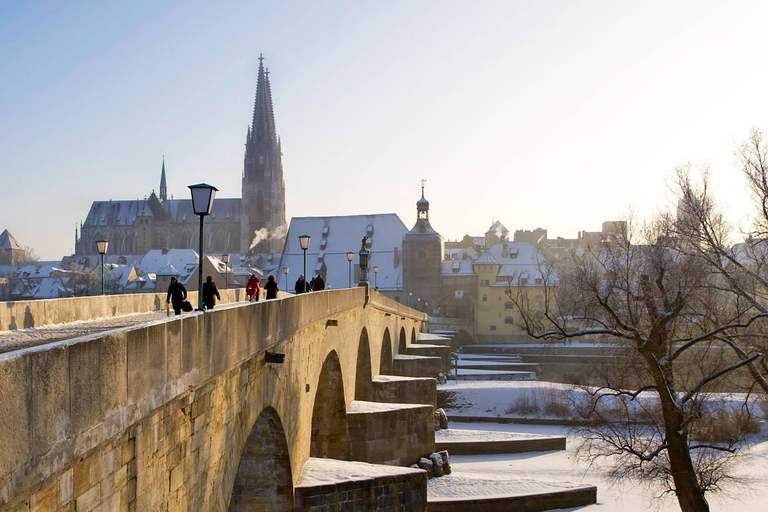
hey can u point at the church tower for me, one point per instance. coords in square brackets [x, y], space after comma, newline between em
[263, 224]
[423, 252]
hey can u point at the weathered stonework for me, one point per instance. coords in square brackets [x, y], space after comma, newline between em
[157, 417]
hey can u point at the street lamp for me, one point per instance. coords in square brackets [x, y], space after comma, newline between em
[350, 257]
[375, 278]
[285, 271]
[101, 246]
[225, 259]
[202, 203]
[304, 242]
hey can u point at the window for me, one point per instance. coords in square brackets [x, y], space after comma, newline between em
[485, 282]
[508, 305]
[509, 320]
[523, 281]
[485, 298]
[422, 255]
[539, 280]
[493, 327]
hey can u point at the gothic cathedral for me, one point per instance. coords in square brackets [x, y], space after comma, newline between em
[254, 223]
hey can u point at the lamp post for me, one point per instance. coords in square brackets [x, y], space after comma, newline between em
[101, 246]
[350, 257]
[225, 259]
[376, 278]
[285, 271]
[304, 242]
[202, 203]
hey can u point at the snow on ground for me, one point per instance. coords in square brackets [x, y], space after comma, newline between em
[25, 338]
[319, 471]
[502, 474]
[534, 399]
[453, 434]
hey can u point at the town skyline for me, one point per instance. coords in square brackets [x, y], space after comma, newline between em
[549, 116]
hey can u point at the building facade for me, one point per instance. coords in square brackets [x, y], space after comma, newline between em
[253, 223]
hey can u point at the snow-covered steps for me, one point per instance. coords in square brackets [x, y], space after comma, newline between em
[491, 357]
[498, 365]
[395, 389]
[494, 375]
[328, 484]
[460, 492]
[417, 366]
[397, 434]
[476, 442]
[428, 349]
[433, 339]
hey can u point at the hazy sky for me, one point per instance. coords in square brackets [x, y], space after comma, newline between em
[536, 113]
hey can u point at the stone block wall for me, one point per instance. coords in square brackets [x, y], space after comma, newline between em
[441, 351]
[155, 417]
[24, 314]
[393, 490]
[396, 434]
[399, 390]
[417, 366]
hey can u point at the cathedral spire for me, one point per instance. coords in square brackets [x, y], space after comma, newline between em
[263, 125]
[163, 187]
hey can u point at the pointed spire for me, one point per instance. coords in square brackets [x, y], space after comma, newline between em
[263, 125]
[163, 187]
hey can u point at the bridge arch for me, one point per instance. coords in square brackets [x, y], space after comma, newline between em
[386, 364]
[263, 480]
[329, 413]
[402, 345]
[413, 335]
[363, 377]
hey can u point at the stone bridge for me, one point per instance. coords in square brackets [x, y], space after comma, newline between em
[195, 413]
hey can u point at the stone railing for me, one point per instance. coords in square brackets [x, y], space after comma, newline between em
[24, 314]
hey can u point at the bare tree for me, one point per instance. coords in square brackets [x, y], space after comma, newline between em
[684, 318]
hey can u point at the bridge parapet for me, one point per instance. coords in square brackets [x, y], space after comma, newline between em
[24, 314]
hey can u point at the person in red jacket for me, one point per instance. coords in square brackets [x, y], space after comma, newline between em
[252, 288]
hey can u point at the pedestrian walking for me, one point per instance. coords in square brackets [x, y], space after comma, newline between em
[319, 283]
[312, 284]
[271, 288]
[301, 285]
[176, 295]
[210, 293]
[252, 288]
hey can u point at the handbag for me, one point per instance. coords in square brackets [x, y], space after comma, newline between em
[186, 306]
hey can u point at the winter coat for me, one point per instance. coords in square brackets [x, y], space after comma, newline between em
[252, 286]
[210, 294]
[301, 286]
[319, 284]
[176, 293]
[272, 289]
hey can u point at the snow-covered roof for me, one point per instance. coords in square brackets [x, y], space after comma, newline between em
[49, 288]
[486, 259]
[498, 228]
[125, 212]
[158, 260]
[333, 237]
[522, 262]
[458, 268]
[8, 242]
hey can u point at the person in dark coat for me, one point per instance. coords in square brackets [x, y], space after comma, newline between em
[176, 295]
[301, 285]
[271, 288]
[312, 284]
[252, 288]
[319, 283]
[210, 293]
